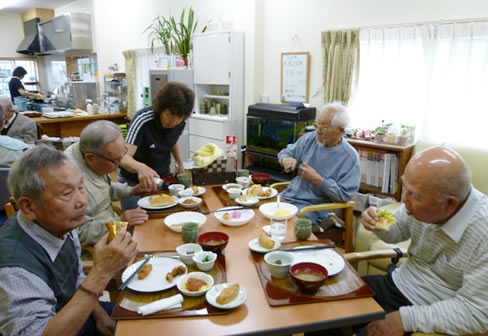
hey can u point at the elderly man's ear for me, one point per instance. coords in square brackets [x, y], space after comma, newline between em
[28, 207]
[451, 205]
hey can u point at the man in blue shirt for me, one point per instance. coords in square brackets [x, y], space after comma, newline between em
[328, 166]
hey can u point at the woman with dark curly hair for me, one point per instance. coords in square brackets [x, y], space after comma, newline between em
[16, 87]
[153, 136]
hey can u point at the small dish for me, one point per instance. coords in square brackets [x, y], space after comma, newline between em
[213, 292]
[181, 284]
[185, 193]
[274, 192]
[244, 181]
[278, 263]
[174, 189]
[234, 192]
[213, 241]
[174, 221]
[246, 201]
[203, 264]
[190, 202]
[228, 186]
[187, 251]
[237, 217]
[254, 245]
[201, 191]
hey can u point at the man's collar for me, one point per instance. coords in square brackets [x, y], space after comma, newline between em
[458, 223]
[10, 121]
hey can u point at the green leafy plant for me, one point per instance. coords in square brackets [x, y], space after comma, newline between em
[405, 130]
[161, 30]
[183, 32]
[383, 128]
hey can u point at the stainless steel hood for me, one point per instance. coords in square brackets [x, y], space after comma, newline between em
[30, 44]
[66, 34]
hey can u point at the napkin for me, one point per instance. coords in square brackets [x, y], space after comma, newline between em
[267, 229]
[206, 155]
[163, 304]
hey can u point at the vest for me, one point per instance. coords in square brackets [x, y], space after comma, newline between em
[20, 250]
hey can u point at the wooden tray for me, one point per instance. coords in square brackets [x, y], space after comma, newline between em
[227, 201]
[128, 300]
[282, 292]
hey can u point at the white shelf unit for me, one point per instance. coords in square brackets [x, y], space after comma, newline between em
[218, 70]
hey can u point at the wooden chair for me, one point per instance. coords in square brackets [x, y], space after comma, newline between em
[347, 210]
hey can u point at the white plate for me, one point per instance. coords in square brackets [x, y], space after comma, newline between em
[246, 216]
[250, 201]
[173, 220]
[254, 246]
[328, 258]
[201, 191]
[213, 292]
[144, 203]
[274, 192]
[156, 280]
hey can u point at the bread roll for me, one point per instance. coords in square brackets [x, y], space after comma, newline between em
[161, 200]
[265, 241]
[113, 227]
[228, 294]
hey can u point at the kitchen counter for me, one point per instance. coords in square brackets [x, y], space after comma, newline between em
[72, 126]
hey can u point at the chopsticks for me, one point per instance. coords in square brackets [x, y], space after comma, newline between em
[318, 247]
[231, 209]
[129, 279]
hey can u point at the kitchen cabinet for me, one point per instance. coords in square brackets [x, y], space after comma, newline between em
[218, 73]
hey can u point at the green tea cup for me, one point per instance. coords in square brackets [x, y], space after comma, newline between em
[189, 232]
[303, 228]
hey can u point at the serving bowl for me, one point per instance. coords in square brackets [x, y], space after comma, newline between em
[205, 260]
[176, 220]
[278, 263]
[181, 284]
[196, 201]
[260, 178]
[213, 241]
[308, 276]
[237, 217]
[270, 210]
[187, 251]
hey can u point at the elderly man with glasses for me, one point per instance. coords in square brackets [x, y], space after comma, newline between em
[99, 152]
[328, 166]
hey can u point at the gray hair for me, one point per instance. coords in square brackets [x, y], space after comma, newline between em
[6, 104]
[24, 178]
[341, 117]
[98, 134]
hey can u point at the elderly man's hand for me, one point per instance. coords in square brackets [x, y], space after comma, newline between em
[109, 258]
[104, 324]
[134, 216]
[289, 164]
[369, 218]
[391, 326]
[307, 173]
[146, 177]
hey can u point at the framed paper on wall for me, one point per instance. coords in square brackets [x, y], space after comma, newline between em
[295, 68]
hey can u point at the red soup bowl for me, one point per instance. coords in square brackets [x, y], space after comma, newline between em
[213, 241]
[308, 276]
[260, 178]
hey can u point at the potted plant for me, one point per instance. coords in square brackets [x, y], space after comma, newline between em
[380, 131]
[405, 135]
[161, 30]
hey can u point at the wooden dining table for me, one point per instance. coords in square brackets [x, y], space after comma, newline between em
[256, 316]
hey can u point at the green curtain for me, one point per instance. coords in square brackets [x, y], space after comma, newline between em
[130, 70]
[340, 50]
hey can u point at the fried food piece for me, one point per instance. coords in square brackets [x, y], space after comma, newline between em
[228, 294]
[195, 284]
[254, 190]
[226, 216]
[385, 220]
[114, 227]
[144, 272]
[243, 198]
[265, 241]
[195, 190]
[169, 277]
[265, 193]
[161, 200]
[178, 270]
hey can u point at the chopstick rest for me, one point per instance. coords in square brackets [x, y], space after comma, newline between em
[163, 304]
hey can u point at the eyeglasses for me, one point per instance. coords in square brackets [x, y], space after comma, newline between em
[322, 129]
[114, 161]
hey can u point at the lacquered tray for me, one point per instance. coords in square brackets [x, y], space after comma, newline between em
[128, 300]
[282, 292]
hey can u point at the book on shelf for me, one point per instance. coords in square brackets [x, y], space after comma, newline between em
[379, 169]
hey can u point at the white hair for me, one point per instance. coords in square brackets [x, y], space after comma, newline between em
[341, 117]
[98, 134]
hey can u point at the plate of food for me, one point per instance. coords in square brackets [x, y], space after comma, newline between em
[158, 274]
[190, 202]
[159, 201]
[195, 283]
[176, 220]
[246, 200]
[234, 216]
[198, 191]
[327, 258]
[226, 295]
[264, 244]
[257, 190]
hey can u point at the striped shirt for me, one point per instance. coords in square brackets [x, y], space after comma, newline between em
[446, 273]
[27, 303]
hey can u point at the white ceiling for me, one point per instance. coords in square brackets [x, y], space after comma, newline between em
[22, 5]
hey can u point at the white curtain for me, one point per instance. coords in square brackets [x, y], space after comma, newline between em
[433, 76]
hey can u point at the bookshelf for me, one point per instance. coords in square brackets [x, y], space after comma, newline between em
[382, 166]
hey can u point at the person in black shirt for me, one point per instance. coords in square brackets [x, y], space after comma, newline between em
[152, 138]
[16, 87]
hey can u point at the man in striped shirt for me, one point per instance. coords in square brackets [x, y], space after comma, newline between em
[152, 139]
[442, 287]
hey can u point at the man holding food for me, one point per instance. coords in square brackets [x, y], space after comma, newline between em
[99, 152]
[442, 285]
[42, 286]
[328, 166]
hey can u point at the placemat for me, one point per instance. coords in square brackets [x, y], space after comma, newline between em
[128, 300]
[348, 284]
[227, 201]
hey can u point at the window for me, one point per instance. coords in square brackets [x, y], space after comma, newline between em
[7, 66]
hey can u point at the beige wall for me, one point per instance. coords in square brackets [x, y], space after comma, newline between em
[11, 34]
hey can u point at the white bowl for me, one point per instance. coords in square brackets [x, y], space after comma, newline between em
[244, 181]
[200, 275]
[245, 216]
[278, 271]
[269, 209]
[184, 252]
[205, 265]
[174, 189]
[198, 201]
[186, 192]
[174, 221]
[234, 192]
[228, 186]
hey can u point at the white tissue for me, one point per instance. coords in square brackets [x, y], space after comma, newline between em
[163, 304]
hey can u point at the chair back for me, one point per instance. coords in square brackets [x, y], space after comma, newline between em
[4, 192]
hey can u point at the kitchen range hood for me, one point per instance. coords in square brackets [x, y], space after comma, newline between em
[66, 34]
[30, 44]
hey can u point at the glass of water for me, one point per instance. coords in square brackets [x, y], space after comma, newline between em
[278, 229]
